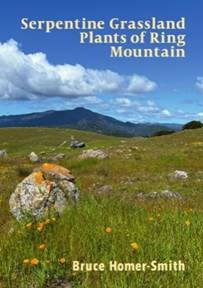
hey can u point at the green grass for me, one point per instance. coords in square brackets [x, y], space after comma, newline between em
[134, 165]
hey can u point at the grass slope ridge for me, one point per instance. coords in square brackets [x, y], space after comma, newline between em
[82, 119]
[163, 230]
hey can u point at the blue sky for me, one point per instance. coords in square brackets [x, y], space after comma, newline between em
[172, 89]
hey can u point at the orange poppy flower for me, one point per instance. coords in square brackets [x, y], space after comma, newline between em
[62, 261]
[34, 262]
[108, 229]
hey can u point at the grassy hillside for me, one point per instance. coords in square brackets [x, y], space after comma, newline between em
[164, 230]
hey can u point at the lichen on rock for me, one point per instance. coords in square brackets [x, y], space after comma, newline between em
[49, 187]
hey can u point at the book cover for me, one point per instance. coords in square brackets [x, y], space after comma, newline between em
[101, 144]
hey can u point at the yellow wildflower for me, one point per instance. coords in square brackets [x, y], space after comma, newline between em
[29, 225]
[40, 227]
[134, 246]
[53, 219]
[26, 261]
[62, 261]
[42, 247]
[151, 219]
[47, 221]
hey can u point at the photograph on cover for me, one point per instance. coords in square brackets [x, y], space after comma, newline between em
[101, 144]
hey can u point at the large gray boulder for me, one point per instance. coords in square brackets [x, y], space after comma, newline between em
[49, 187]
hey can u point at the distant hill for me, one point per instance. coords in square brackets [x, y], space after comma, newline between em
[84, 119]
[173, 126]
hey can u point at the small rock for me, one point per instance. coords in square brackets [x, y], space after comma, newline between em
[59, 284]
[33, 157]
[128, 181]
[91, 153]
[171, 195]
[163, 194]
[59, 156]
[178, 174]
[77, 144]
[105, 189]
[135, 148]
[3, 154]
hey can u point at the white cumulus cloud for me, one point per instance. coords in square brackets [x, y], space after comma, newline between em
[31, 76]
[145, 108]
[166, 113]
[141, 84]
